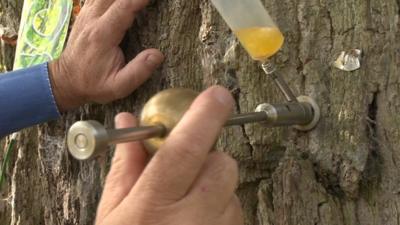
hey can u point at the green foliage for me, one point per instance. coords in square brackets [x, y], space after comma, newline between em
[4, 164]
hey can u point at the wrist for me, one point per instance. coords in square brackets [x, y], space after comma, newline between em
[63, 92]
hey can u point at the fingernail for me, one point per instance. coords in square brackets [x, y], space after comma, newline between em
[222, 95]
[117, 121]
[154, 60]
[124, 119]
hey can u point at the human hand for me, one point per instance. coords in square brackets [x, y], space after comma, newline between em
[183, 183]
[92, 67]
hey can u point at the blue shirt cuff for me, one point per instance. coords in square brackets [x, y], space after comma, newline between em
[26, 99]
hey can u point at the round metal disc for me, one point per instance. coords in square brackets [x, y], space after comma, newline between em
[86, 139]
[317, 113]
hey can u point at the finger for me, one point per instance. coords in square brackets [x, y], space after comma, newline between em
[136, 72]
[233, 214]
[177, 163]
[119, 17]
[215, 186]
[128, 163]
[99, 7]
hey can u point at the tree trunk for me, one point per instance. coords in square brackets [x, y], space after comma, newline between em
[343, 172]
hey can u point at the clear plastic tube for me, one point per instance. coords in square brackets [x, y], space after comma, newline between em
[252, 25]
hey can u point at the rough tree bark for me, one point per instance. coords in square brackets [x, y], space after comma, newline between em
[344, 172]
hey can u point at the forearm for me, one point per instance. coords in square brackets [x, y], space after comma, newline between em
[26, 99]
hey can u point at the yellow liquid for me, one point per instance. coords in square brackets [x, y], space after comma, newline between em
[260, 42]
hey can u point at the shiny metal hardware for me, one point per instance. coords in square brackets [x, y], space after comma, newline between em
[90, 138]
[161, 113]
[270, 69]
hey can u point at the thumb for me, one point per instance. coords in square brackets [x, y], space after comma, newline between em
[136, 72]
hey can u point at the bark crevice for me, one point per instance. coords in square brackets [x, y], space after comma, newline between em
[372, 131]
[236, 95]
[371, 175]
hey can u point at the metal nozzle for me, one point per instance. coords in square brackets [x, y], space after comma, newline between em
[269, 69]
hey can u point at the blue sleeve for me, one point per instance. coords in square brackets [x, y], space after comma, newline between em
[26, 99]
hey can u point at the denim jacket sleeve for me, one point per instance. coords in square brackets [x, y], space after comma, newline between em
[26, 99]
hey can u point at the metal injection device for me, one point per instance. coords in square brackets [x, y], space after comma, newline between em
[163, 111]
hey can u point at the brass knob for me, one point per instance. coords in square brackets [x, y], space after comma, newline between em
[165, 108]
